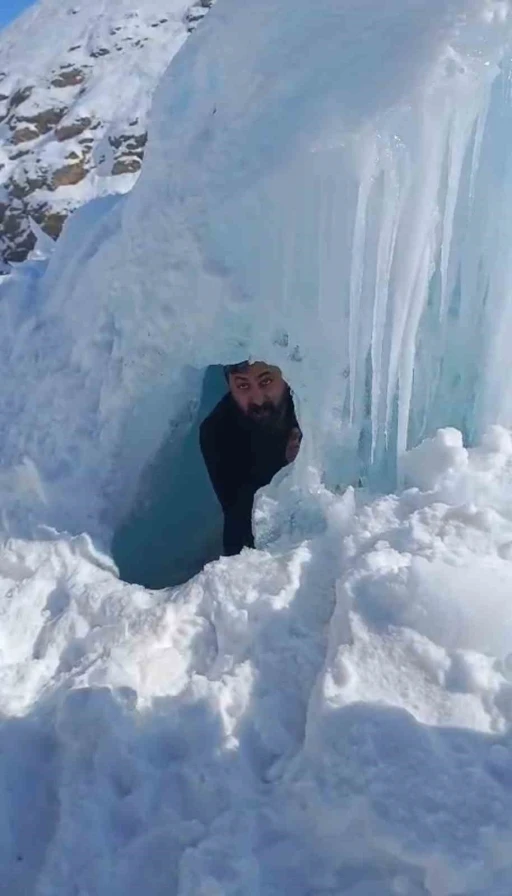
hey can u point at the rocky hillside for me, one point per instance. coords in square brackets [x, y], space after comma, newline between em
[76, 82]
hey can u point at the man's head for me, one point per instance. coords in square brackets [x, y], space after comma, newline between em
[259, 390]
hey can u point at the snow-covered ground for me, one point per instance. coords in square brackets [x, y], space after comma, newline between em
[331, 718]
[328, 188]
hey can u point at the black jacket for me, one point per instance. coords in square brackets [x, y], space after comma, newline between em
[241, 457]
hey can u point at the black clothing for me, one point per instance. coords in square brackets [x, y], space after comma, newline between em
[241, 456]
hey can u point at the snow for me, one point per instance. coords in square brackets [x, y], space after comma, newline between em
[119, 49]
[51, 28]
[331, 718]
[329, 713]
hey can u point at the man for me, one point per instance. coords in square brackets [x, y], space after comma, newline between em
[250, 435]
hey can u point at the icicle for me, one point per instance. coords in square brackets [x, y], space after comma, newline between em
[477, 146]
[417, 222]
[356, 362]
[408, 353]
[391, 204]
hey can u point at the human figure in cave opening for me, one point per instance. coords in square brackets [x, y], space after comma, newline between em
[250, 435]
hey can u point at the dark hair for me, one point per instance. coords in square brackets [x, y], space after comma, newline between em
[235, 368]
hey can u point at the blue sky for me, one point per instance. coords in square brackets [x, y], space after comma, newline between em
[9, 9]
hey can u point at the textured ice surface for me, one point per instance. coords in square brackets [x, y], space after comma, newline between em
[332, 195]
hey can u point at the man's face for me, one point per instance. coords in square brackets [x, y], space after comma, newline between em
[259, 391]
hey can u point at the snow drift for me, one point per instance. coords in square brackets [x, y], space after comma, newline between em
[332, 718]
[328, 188]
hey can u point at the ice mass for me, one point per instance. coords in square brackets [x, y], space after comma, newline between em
[327, 186]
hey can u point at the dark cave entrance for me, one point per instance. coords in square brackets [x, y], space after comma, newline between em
[175, 525]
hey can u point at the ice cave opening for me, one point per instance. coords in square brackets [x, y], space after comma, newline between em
[174, 526]
[175, 523]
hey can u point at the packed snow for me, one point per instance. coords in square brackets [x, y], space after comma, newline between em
[326, 718]
[328, 188]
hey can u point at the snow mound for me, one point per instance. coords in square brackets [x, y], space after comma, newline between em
[330, 718]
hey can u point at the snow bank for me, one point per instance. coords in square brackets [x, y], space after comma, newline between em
[329, 718]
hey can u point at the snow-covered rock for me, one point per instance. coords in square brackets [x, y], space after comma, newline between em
[76, 82]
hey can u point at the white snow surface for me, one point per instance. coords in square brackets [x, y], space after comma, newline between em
[332, 718]
[49, 28]
[327, 187]
[51, 32]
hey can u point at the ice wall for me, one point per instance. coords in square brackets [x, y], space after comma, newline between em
[327, 186]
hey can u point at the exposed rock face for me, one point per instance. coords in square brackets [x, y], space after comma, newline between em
[68, 175]
[68, 131]
[128, 152]
[39, 124]
[69, 77]
[73, 120]
[197, 12]
[24, 135]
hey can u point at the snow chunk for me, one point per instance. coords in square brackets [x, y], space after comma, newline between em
[427, 465]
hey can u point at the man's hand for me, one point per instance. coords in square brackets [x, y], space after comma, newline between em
[292, 448]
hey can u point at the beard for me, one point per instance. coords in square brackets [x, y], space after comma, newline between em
[268, 415]
[262, 413]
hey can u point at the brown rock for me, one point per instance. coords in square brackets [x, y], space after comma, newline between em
[68, 175]
[69, 78]
[44, 122]
[126, 166]
[50, 222]
[23, 135]
[68, 131]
